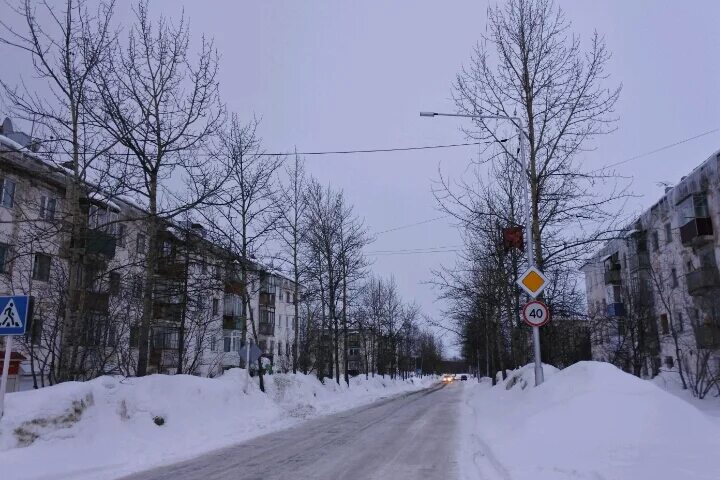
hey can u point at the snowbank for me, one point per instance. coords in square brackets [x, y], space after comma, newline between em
[110, 427]
[589, 421]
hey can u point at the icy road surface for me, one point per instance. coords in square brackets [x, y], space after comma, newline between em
[407, 437]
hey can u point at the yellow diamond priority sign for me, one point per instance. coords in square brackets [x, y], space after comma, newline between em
[532, 281]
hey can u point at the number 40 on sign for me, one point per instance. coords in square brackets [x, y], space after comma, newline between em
[536, 313]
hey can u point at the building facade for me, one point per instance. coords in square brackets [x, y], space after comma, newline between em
[653, 293]
[199, 320]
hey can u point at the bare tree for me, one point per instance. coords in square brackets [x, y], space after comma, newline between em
[248, 214]
[161, 106]
[292, 211]
[353, 239]
[66, 52]
[530, 63]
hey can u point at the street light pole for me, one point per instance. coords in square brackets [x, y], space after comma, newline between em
[539, 376]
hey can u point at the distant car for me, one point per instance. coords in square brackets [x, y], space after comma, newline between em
[463, 377]
[447, 378]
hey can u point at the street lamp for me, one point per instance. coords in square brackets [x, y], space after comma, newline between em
[539, 377]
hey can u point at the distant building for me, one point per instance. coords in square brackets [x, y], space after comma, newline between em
[654, 292]
[199, 317]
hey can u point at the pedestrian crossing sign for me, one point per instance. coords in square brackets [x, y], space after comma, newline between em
[14, 315]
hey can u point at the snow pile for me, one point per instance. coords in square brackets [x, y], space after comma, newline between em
[109, 427]
[589, 421]
[524, 376]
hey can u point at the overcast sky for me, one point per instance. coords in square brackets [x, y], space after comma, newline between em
[329, 75]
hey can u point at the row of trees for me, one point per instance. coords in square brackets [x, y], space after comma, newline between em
[137, 115]
[530, 66]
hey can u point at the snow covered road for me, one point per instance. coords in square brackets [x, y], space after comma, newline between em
[407, 437]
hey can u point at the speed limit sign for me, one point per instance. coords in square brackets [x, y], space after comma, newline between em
[536, 313]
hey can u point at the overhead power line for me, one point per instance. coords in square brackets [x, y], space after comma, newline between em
[422, 222]
[381, 150]
[664, 147]
[414, 251]
[326, 152]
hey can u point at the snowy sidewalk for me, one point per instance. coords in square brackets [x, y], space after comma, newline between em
[108, 427]
[588, 422]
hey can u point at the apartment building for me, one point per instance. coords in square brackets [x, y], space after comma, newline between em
[199, 319]
[654, 292]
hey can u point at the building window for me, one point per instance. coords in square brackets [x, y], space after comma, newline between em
[4, 258]
[137, 287]
[664, 326]
[120, 234]
[41, 267]
[114, 287]
[674, 278]
[135, 336]
[679, 322]
[7, 193]
[140, 243]
[669, 362]
[227, 344]
[215, 306]
[668, 233]
[655, 240]
[47, 208]
[287, 349]
[213, 343]
[167, 249]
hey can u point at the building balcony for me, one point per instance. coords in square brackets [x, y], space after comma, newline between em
[697, 231]
[95, 302]
[233, 322]
[98, 302]
[700, 281]
[234, 285]
[171, 267]
[171, 312]
[640, 261]
[707, 336]
[613, 276]
[266, 329]
[164, 357]
[267, 300]
[100, 243]
[616, 309]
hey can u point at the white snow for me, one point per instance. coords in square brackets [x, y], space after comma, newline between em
[102, 198]
[105, 428]
[14, 145]
[589, 421]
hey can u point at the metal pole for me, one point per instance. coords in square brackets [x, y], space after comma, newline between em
[5, 369]
[247, 358]
[539, 376]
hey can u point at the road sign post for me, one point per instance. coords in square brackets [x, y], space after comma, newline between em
[533, 282]
[251, 352]
[14, 319]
